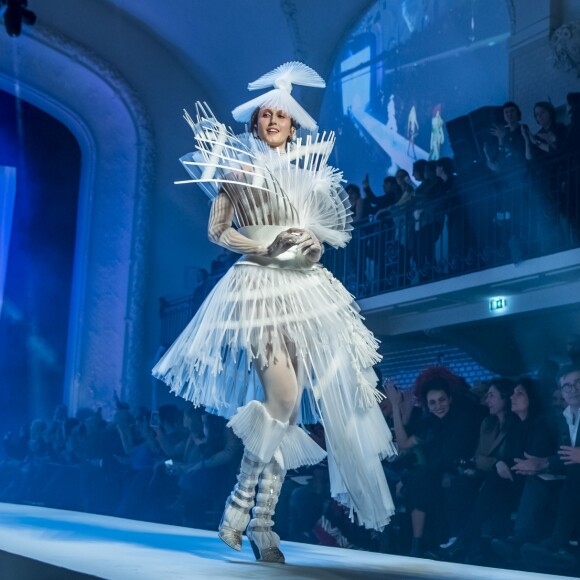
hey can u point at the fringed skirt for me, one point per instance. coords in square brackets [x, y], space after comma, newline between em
[256, 311]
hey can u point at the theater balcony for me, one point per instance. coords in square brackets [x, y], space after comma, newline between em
[493, 268]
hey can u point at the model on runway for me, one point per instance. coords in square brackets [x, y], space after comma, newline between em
[279, 341]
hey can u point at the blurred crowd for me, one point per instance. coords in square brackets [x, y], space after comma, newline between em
[486, 474]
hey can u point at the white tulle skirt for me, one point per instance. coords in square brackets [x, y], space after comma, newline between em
[258, 309]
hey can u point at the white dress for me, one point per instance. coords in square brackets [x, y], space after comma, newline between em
[264, 303]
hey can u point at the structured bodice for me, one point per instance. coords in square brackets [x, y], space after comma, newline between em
[269, 187]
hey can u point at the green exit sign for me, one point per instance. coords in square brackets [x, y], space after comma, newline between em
[497, 304]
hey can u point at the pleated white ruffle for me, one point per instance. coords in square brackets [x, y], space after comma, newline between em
[260, 433]
[298, 449]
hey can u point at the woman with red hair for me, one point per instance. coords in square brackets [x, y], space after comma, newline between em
[446, 435]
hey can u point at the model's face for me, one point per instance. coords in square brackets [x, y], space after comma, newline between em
[520, 400]
[274, 127]
[570, 387]
[438, 403]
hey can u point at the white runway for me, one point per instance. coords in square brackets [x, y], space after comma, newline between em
[114, 548]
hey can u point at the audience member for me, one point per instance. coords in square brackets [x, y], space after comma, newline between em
[444, 437]
[358, 205]
[509, 153]
[429, 217]
[528, 433]
[491, 447]
[550, 139]
[554, 550]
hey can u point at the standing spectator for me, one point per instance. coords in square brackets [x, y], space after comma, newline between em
[509, 154]
[358, 205]
[550, 139]
[429, 217]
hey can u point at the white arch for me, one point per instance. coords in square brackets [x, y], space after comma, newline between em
[70, 83]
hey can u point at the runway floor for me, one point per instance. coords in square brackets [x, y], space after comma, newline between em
[42, 544]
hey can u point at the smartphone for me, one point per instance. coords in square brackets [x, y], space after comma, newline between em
[155, 422]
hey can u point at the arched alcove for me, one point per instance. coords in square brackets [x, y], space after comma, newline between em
[73, 85]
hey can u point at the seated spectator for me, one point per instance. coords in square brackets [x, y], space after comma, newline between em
[55, 432]
[170, 433]
[444, 437]
[553, 551]
[336, 529]
[465, 484]
[204, 484]
[143, 453]
[528, 432]
[307, 506]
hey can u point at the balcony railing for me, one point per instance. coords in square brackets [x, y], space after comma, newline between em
[490, 222]
[494, 221]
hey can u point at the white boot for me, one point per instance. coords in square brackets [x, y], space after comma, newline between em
[236, 514]
[261, 435]
[264, 541]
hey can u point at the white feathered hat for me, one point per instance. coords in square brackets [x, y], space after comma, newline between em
[282, 78]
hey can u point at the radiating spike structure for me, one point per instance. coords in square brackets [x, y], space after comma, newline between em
[268, 186]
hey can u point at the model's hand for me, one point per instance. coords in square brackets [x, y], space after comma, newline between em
[310, 247]
[284, 241]
[569, 455]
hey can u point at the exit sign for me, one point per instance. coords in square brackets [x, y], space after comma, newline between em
[497, 304]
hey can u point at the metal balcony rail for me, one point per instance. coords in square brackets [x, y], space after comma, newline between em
[502, 219]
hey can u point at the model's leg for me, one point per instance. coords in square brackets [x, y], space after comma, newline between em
[278, 378]
[261, 427]
[280, 383]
